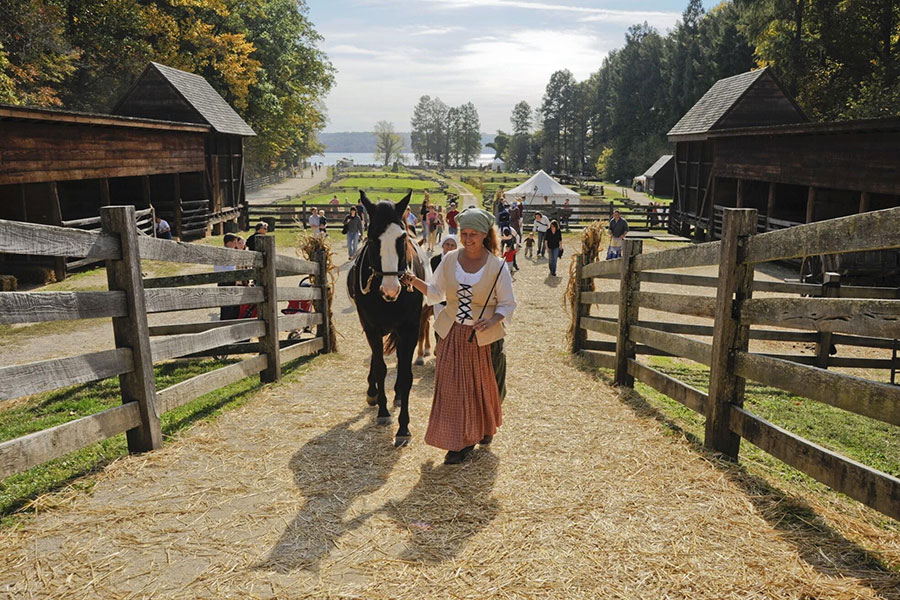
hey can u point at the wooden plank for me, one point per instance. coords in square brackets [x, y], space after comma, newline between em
[863, 397]
[599, 359]
[172, 299]
[17, 237]
[268, 310]
[808, 289]
[671, 387]
[324, 329]
[37, 448]
[862, 363]
[131, 331]
[607, 327]
[295, 265]
[191, 343]
[299, 293]
[31, 378]
[870, 486]
[699, 306]
[182, 328]
[183, 392]
[304, 348]
[676, 258]
[600, 268]
[298, 321]
[858, 291]
[674, 344]
[875, 230]
[202, 278]
[855, 340]
[599, 298]
[876, 318]
[678, 279]
[184, 252]
[38, 307]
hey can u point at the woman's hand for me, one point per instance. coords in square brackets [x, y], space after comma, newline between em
[482, 324]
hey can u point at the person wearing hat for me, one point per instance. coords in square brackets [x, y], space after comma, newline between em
[470, 369]
[451, 219]
[262, 228]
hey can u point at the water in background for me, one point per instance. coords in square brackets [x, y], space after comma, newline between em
[368, 158]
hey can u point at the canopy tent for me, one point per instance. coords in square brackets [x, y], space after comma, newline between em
[539, 187]
[497, 165]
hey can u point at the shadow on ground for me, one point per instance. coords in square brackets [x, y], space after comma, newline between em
[821, 546]
[331, 472]
[448, 505]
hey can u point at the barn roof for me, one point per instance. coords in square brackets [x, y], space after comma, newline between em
[752, 98]
[71, 117]
[659, 164]
[209, 106]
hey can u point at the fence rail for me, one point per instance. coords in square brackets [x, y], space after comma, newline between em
[824, 314]
[128, 302]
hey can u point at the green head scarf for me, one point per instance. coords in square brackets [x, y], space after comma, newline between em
[475, 219]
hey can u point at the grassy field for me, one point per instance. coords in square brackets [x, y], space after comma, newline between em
[42, 411]
[352, 196]
[375, 183]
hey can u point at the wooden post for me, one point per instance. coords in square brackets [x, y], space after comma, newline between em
[711, 215]
[811, 205]
[580, 310]
[739, 202]
[59, 262]
[323, 330]
[104, 192]
[770, 204]
[268, 310]
[735, 286]
[131, 331]
[176, 205]
[629, 283]
[831, 288]
[303, 219]
[864, 198]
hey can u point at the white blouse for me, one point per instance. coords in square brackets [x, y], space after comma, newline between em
[506, 300]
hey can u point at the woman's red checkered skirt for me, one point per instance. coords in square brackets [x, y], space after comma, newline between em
[466, 404]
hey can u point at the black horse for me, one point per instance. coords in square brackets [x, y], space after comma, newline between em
[385, 307]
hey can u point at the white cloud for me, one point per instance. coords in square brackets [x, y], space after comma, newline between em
[434, 30]
[348, 49]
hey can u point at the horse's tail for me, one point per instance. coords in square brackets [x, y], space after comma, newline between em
[390, 343]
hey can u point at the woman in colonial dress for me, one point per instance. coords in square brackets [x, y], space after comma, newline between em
[470, 369]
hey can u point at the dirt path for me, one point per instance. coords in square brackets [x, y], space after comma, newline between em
[466, 197]
[289, 187]
[299, 495]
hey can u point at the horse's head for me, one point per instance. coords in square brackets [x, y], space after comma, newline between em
[387, 252]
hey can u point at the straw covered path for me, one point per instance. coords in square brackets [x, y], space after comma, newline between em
[298, 494]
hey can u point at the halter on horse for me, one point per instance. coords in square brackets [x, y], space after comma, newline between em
[394, 311]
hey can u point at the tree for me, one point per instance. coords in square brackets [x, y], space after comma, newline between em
[470, 133]
[420, 129]
[519, 145]
[388, 143]
[500, 143]
[521, 119]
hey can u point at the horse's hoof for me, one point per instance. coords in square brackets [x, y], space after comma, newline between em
[419, 362]
[371, 400]
[384, 420]
[397, 403]
[402, 440]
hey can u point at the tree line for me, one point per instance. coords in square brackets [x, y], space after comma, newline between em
[450, 136]
[840, 59]
[260, 55]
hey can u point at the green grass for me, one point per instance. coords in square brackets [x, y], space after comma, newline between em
[375, 183]
[352, 196]
[53, 408]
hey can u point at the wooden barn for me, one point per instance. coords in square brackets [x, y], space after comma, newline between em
[659, 179]
[174, 145]
[747, 144]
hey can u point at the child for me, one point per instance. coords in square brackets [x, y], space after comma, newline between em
[529, 246]
[509, 243]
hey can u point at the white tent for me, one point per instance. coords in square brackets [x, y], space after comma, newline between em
[539, 186]
[497, 165]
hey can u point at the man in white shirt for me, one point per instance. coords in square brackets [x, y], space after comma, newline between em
[540, 226]
[315, 221]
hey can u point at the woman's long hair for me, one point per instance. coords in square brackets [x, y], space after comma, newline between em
[492, 241]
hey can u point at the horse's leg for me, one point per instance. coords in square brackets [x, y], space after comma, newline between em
[377, 371]
[406, 345]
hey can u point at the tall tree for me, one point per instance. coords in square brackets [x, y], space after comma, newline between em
[520, 145]
[500, 144]
[470, 133]
[389, 145]
[420, 128]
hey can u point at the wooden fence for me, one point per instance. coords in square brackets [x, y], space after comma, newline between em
[824, 315]
[127, 302]
[640, 218]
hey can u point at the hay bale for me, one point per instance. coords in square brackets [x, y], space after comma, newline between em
[8, 283]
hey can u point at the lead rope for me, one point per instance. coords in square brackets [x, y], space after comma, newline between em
[368, 286]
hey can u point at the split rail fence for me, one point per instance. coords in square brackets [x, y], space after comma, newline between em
[127, 302]
[640, 218]
[825, 315]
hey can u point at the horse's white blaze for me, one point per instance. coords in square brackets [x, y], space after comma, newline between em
[390, 261]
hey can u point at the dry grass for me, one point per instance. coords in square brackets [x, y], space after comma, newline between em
[308, 247]
[299, 494]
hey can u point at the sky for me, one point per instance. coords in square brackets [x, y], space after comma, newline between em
[493, 53]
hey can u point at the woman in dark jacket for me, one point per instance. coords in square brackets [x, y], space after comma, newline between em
[553, 244]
